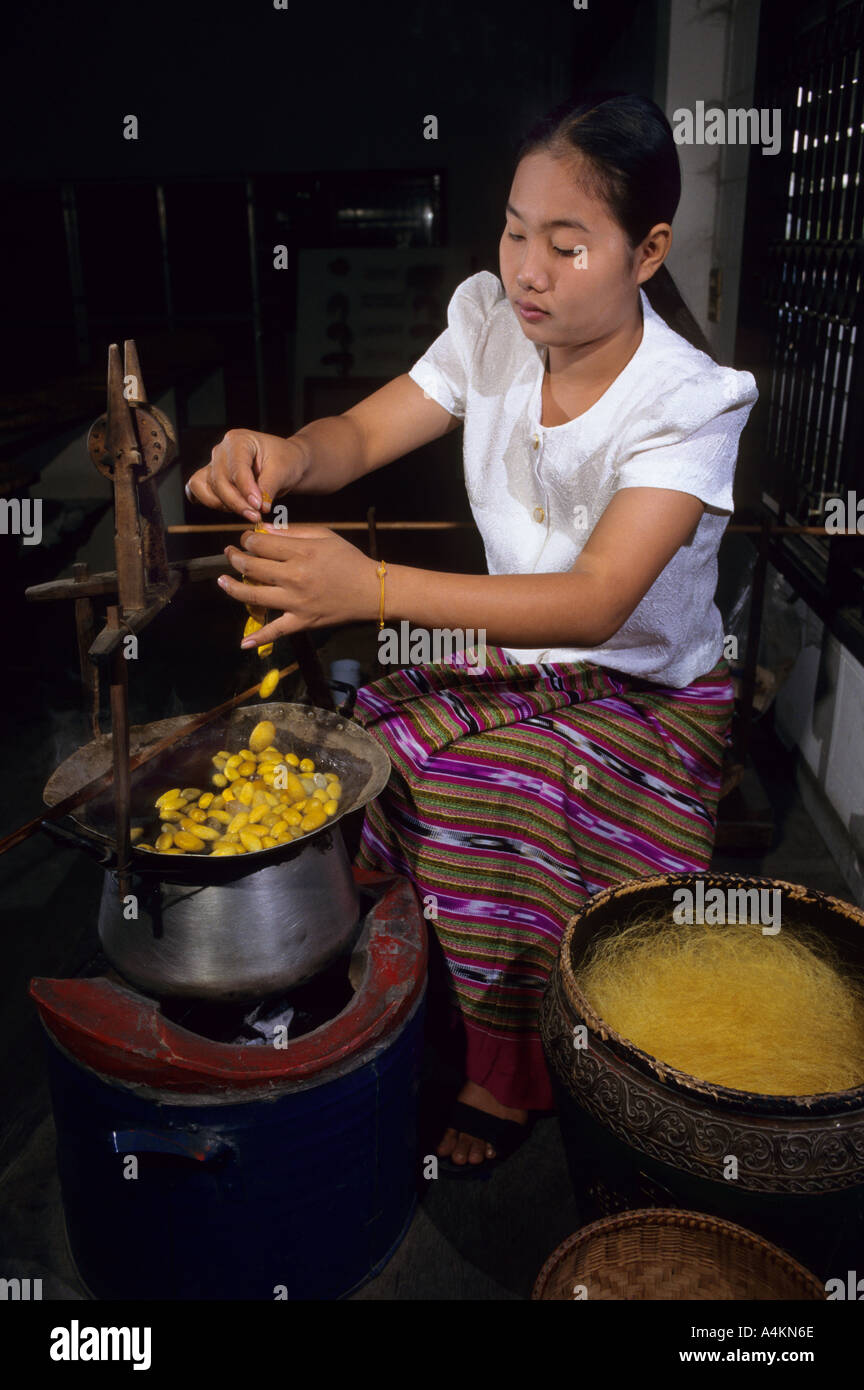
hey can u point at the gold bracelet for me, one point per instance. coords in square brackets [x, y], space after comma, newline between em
[381, 571]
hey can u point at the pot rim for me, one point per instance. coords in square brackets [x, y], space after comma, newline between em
[818, 1103]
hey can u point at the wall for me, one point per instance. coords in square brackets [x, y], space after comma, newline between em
[711, 58]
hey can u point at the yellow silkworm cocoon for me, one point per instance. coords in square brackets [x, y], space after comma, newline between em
[238, 822]
[262, 736]
[307, 765]
[331, 807]
[290, 783]
[245, 794]
[167, 798]
[184, 839]
[205, 832]
[257, 814]
[168, 813]
[195, 814]
[267, 842]
[270, 681]
[313, 819]
[165, 842]
[206, 800]
[250, 841]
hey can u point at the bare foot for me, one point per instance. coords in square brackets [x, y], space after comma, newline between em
[467, 1148]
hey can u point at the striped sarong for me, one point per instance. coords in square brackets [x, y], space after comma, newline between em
[517, 793]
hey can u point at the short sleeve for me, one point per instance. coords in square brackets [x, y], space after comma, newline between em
[688, 437]
[443, 371]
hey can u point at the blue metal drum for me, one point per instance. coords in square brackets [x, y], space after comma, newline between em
[193, 1169]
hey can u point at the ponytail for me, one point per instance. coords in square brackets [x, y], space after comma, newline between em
[666, 300]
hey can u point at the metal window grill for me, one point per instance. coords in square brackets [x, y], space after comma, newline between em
[815, 267]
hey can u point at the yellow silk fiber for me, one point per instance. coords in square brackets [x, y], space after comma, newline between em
[775, 1014]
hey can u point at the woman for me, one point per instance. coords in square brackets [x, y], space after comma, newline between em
[600, 446]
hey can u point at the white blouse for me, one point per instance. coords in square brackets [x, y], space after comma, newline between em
[671, 419]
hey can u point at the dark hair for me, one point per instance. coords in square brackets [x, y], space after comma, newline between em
[632, 164]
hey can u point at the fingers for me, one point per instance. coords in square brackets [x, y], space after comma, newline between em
[229, 481]
[258, 595]
[284, 626]
[257, 569]
[198, 489]
[237, 462]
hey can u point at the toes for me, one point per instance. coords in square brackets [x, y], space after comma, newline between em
[462, 1149]
[448, 1143]
[479, 1150]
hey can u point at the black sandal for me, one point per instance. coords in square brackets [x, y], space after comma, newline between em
[505, 1136]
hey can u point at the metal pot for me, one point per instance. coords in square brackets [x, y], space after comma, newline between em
[260, 934]
[233, 928]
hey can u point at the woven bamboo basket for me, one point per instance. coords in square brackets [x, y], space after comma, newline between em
[659, 1254]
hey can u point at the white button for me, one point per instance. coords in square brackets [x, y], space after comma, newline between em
[539, 514]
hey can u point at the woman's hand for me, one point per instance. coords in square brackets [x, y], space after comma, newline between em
[246, 470]
[314, 577]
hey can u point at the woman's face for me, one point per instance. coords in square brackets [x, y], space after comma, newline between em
[563, 253]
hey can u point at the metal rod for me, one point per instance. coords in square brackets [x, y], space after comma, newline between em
[739, 529]
[85, 630]
[256, 304]
[76, 274]
[120, 756]
[166, 264]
